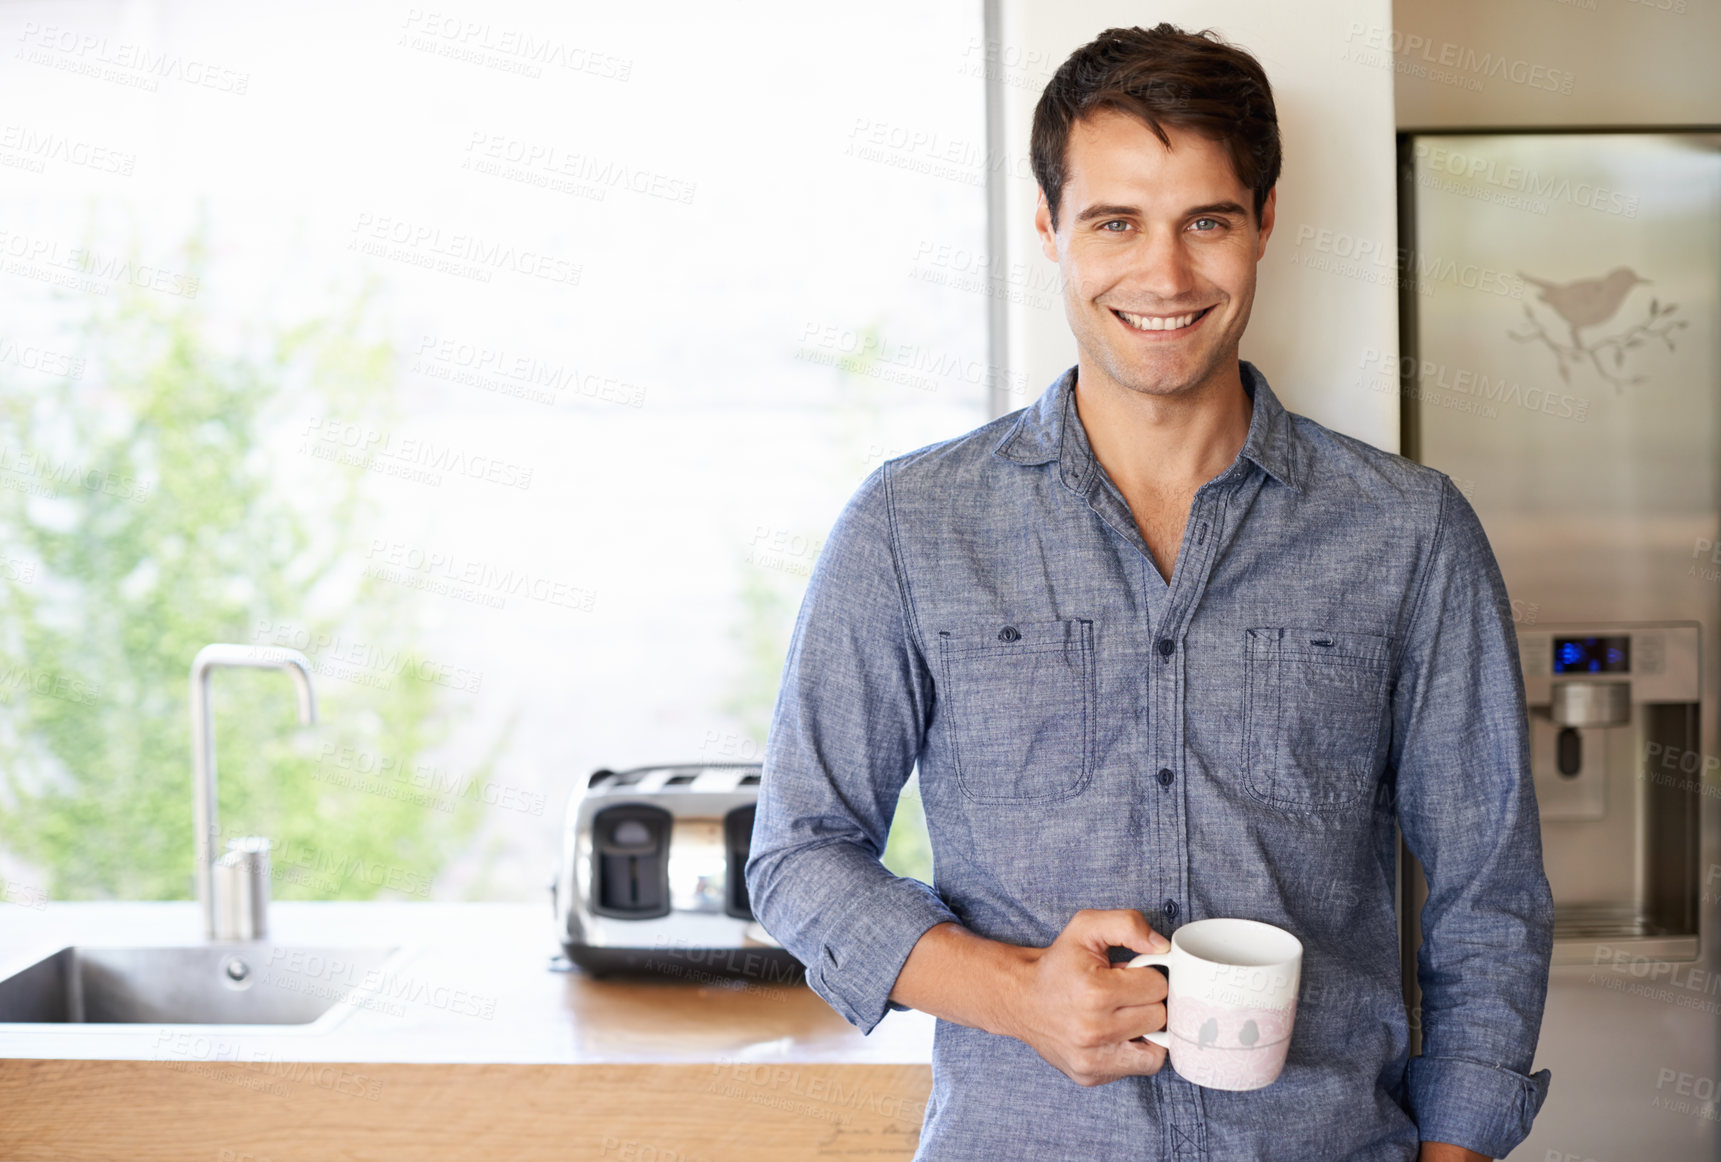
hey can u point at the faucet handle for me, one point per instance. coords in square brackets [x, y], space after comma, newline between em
[241, 889]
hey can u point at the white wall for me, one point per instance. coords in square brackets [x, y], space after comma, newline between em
[1313, 328]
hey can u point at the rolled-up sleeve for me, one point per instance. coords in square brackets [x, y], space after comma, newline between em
[1467, 808]
[848, 726]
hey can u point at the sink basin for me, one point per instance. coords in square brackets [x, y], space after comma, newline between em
[253, 983]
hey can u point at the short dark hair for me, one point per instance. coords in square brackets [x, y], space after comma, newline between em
[1163, 76]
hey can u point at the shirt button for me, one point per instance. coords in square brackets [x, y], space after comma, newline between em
[1165, 776]
[1170, 910]
[1009, 634]
[1166, 645]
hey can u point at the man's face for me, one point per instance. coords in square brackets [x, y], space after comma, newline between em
[1158, 250]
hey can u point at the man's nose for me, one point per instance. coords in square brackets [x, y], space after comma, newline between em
[1164, 270]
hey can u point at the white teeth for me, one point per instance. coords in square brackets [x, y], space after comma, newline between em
[1158, 322]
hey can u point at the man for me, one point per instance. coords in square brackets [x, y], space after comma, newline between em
[1163, 651]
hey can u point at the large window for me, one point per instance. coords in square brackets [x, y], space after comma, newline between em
[510, 362]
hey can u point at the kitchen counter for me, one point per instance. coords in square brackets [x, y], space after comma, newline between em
[469, 1035]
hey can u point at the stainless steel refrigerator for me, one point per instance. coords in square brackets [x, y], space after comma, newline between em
[1560, 361]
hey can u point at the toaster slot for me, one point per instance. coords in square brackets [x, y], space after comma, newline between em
[630, 861]
[738, 839]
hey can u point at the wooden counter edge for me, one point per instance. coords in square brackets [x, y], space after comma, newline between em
[280, 1111]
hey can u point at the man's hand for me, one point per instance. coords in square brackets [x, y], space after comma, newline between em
[1082, 1013]
[1068, 1002]
[1446, 1152]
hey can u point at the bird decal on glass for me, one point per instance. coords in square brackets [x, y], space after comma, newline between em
[1208, 1034]
[1587, 303]
[1249, 1035]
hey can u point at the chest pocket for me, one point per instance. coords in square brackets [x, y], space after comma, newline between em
[1021, 702]
[1314, 712]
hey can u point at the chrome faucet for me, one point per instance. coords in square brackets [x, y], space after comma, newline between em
[298, 667]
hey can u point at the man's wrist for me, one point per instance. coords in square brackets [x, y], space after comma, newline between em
[1447, 1152]
[957, 975]
[1016, 968]
[1003, 983]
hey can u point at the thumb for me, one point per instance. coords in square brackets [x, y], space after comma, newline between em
[1123, 927]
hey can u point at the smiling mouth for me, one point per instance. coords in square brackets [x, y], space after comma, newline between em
[1161, 324]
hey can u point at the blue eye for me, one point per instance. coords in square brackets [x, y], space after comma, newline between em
[1212, 223]
[1107, 226]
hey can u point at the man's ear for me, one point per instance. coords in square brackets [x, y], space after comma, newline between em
[1043, 224]
[1267, 211]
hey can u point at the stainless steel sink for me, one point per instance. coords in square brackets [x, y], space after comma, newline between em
[253, 983]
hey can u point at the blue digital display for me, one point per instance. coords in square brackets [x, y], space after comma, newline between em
[1592, 655]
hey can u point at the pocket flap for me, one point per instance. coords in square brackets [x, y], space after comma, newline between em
[1329, 645]
[1002, 636]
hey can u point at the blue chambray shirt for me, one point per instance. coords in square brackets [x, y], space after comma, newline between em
[1334, 655]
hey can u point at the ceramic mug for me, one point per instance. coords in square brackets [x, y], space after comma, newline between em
[1233, 999]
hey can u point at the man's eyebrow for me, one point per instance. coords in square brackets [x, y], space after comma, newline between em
[1216, 208]
[1117, 211]
[1106, 211]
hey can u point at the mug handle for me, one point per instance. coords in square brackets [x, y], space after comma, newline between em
[1160, 1037]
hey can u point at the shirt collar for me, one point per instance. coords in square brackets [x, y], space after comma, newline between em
[1049, 429]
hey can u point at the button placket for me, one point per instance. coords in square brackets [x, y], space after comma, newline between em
[1185, 1120]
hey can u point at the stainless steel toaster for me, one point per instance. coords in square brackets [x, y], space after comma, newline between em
[650, 875]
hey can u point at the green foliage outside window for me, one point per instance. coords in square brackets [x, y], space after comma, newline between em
[145, 511]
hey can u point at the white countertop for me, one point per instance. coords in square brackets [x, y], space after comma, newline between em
[473, 985]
